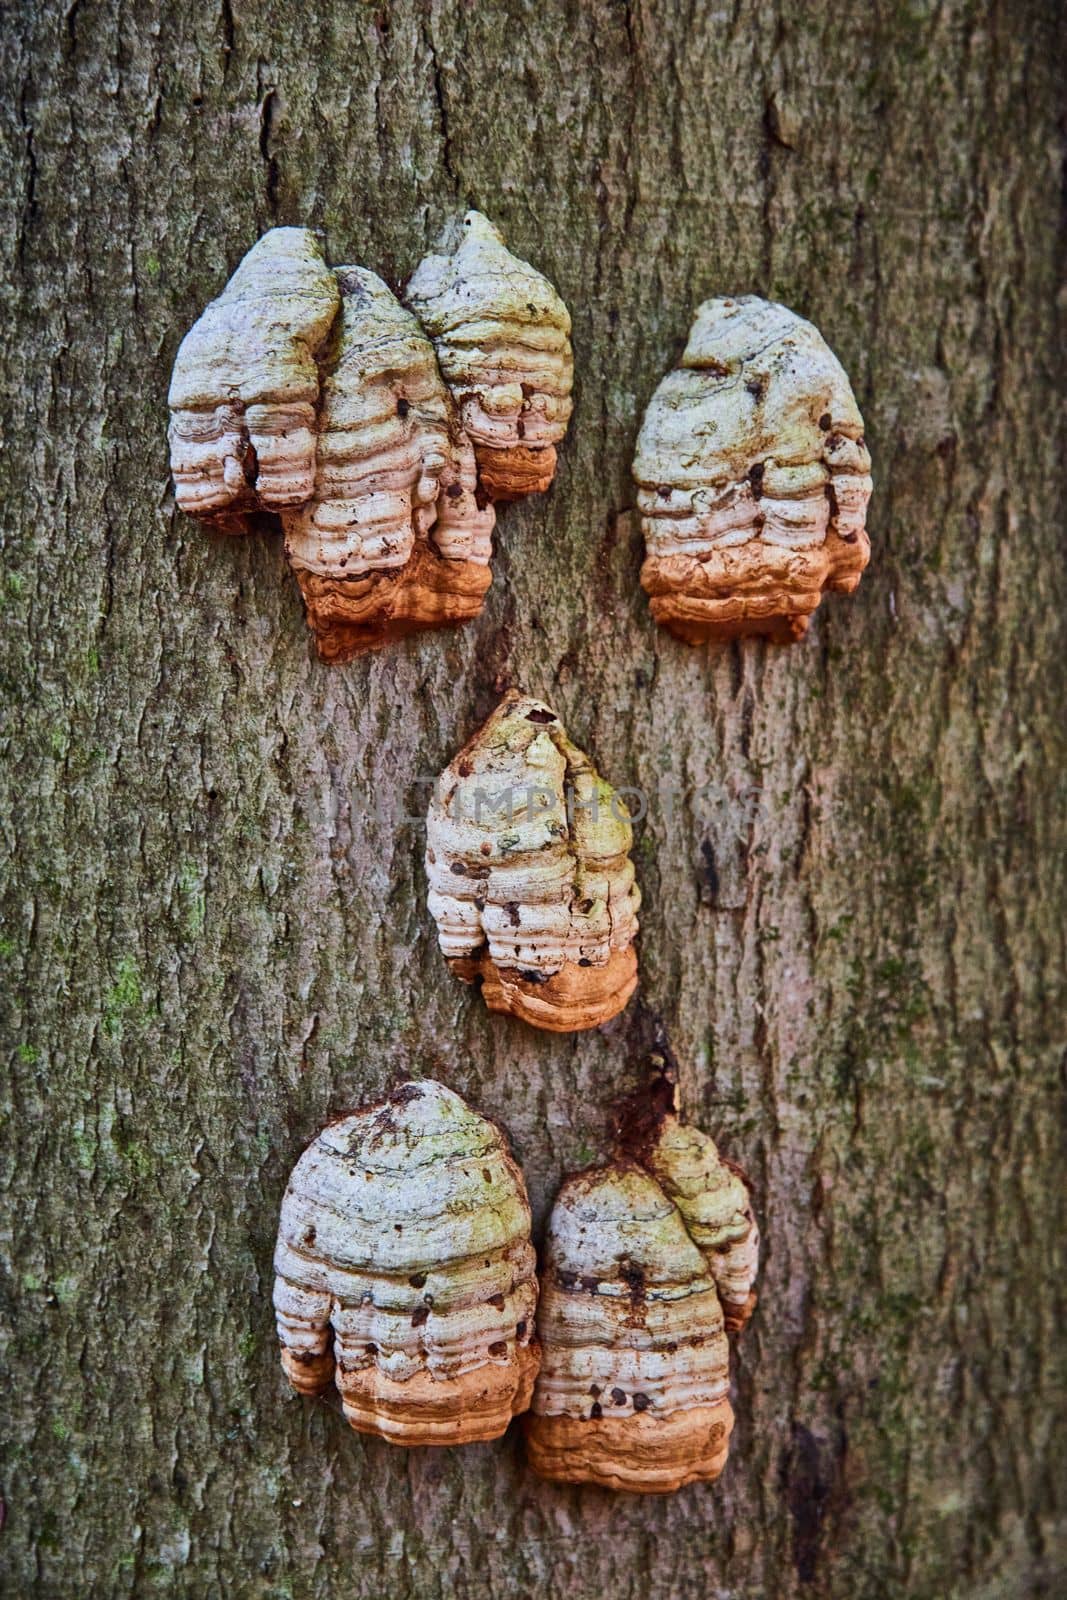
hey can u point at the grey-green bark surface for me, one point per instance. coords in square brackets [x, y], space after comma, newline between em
[214, 924]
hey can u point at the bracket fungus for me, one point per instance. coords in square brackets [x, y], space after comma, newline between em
[502, 336]
[310, 394]
[244, 393]
[530, 879]
[405, 1271]
[394, 537]
[752, 476]
[649, 1260]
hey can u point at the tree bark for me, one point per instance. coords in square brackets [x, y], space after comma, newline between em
[853, 857]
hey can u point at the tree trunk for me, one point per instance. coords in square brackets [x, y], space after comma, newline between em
[852, 861]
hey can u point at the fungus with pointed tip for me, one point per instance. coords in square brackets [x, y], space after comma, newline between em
[531, 883]
[394, 537]
[502, 336]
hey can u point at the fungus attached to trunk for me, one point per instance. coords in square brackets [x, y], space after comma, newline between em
[531, 883]
[649, 1262]
[405, 1272]
[502, 336]
[752, 476]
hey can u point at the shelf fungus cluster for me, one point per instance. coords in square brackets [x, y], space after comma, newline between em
[405, 1271]
[311, 394]
[649, 1260]
[752, 476]
[530, 879]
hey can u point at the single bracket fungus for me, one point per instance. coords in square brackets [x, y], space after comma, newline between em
[502, 336]
[752, 476]
[649, 1260]
[244, 393]
[313, 396]
[531, 883]
[406, 1274]
[393, 538]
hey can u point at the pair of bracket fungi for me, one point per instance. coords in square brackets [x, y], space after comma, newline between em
[405, 1273]
[382, 436]
[379, 434]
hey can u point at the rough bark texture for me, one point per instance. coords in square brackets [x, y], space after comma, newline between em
[852, 931]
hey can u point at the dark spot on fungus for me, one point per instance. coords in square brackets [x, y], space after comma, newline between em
[497, 1300]
[498, 1348]
[402, 408]
[825, 422]
[419, 1316]
[405, 1093]
[417, 1280]
[634, 1277]
[454, 491]
[538, 714]
[596, 1410]
[641, 1402]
